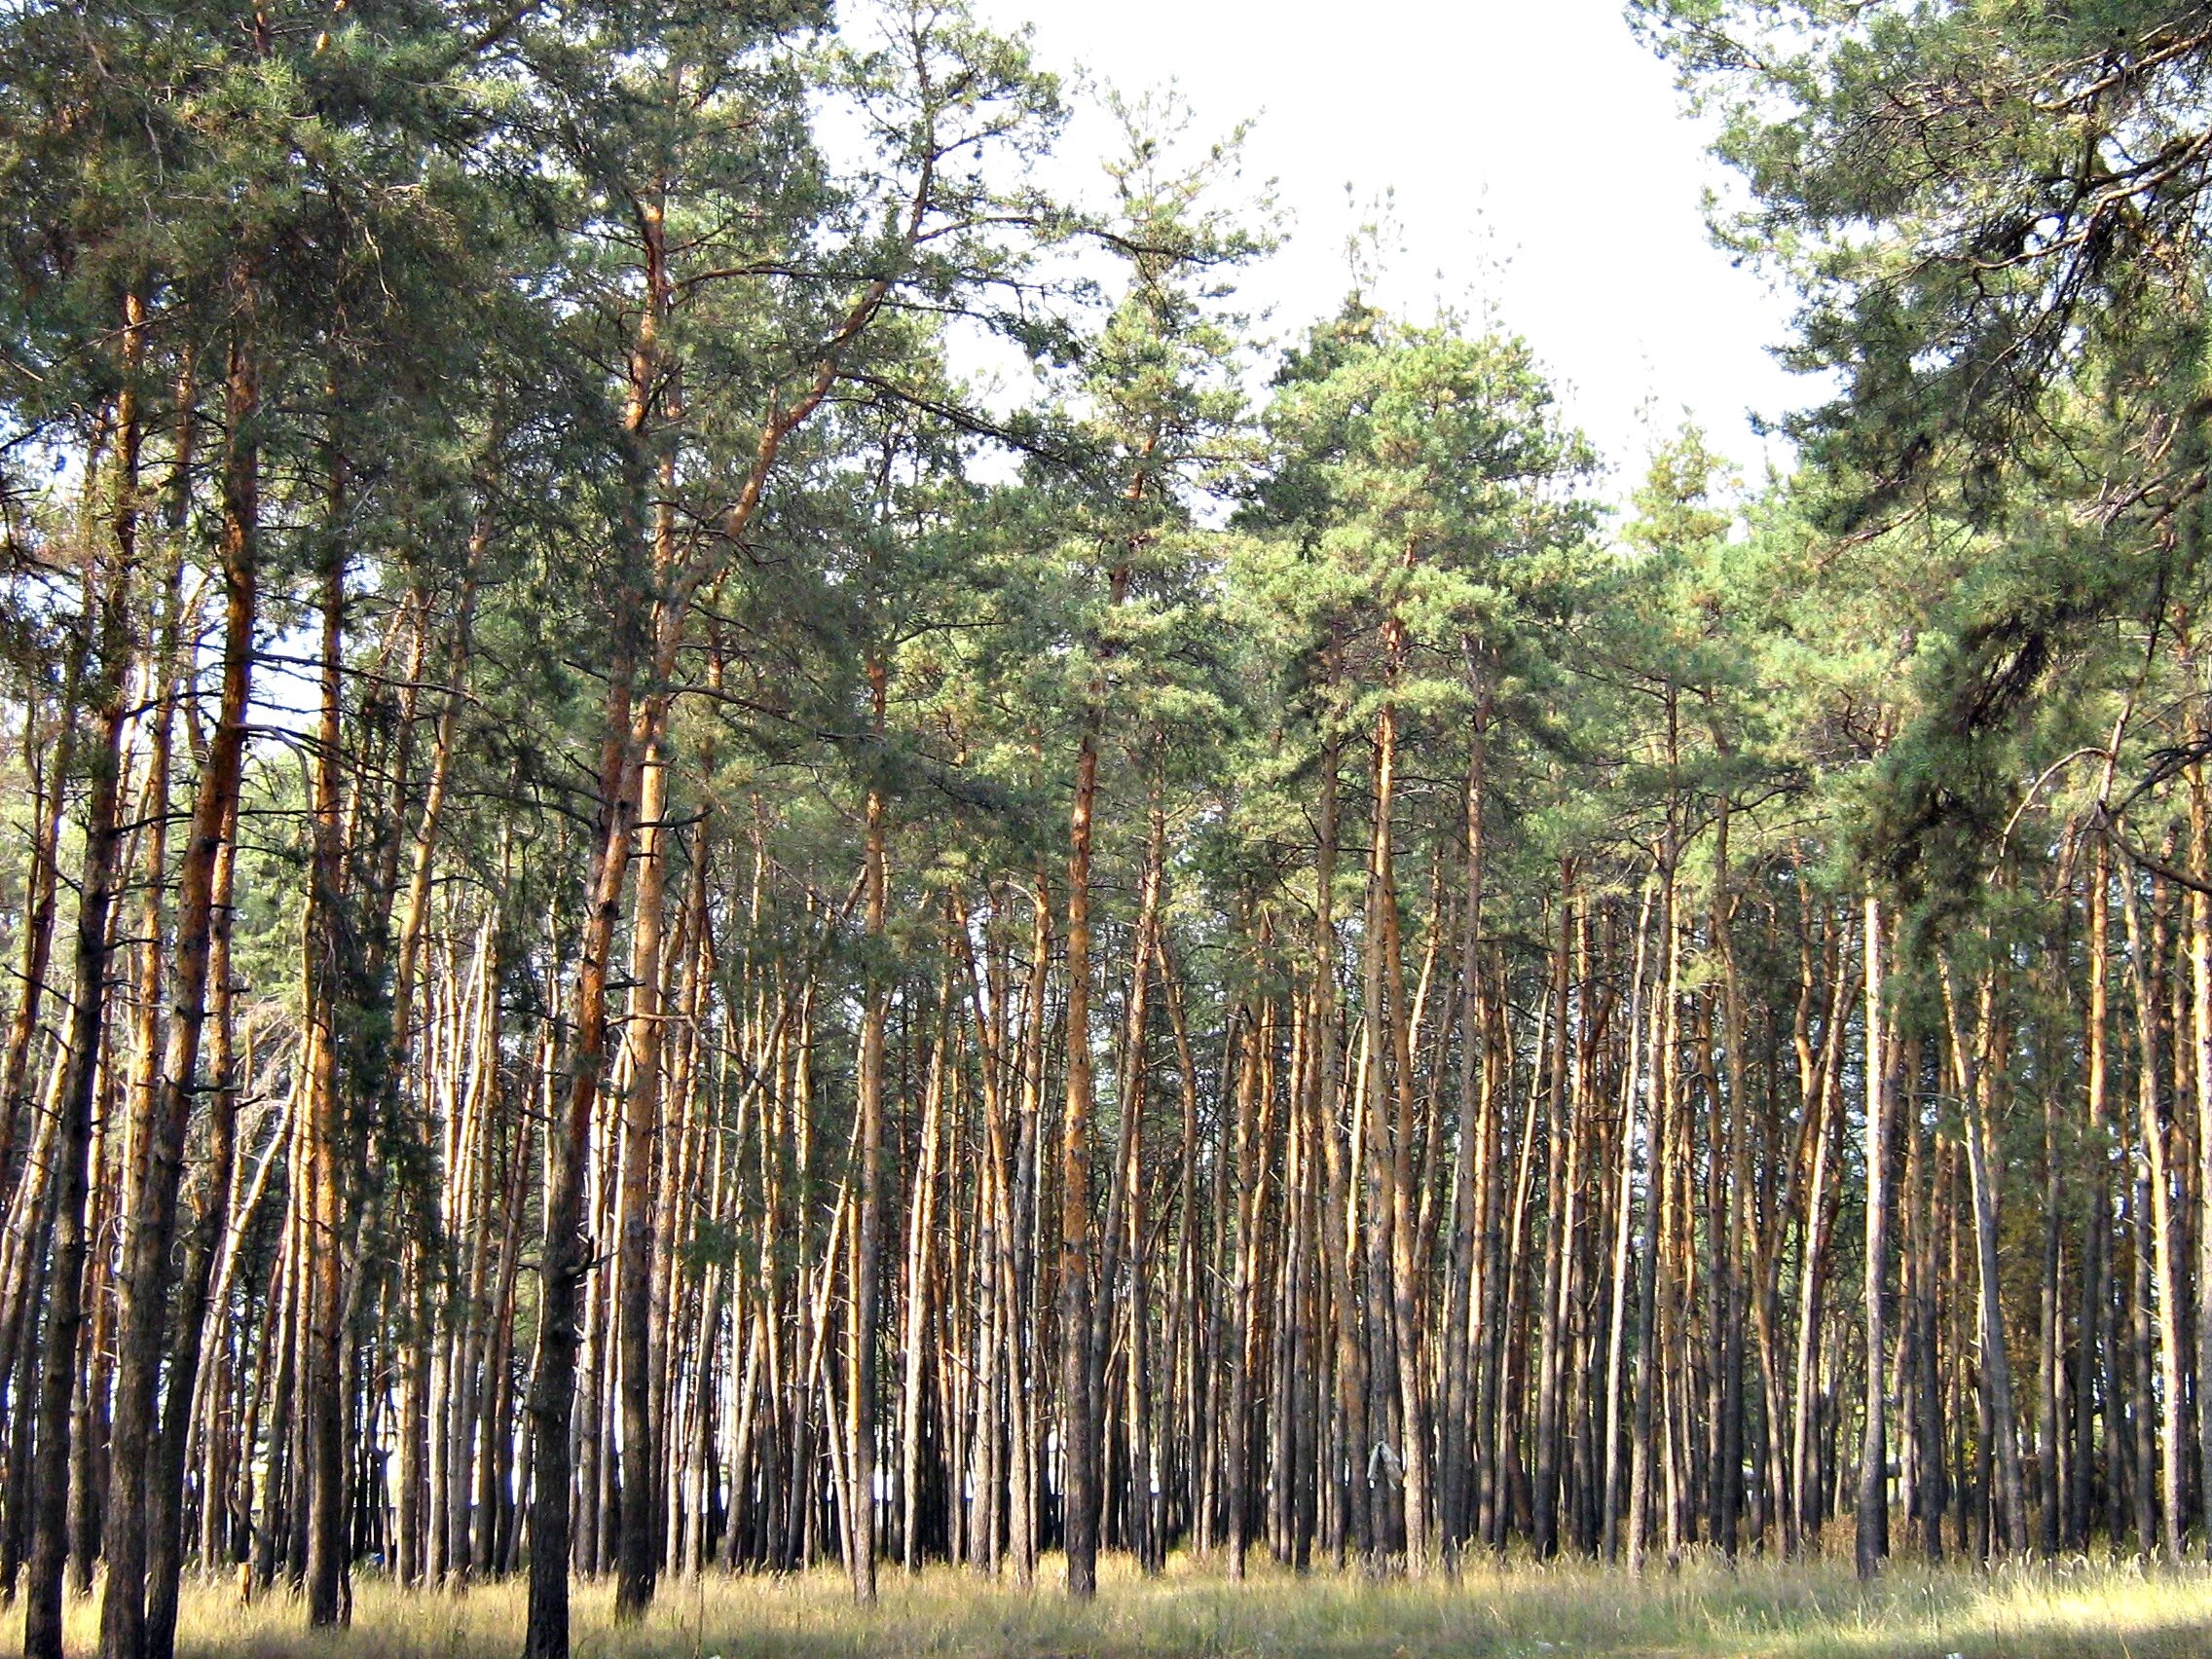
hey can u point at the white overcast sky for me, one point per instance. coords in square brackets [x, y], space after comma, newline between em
[1543, 168]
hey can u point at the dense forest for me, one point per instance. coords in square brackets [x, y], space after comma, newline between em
[655, 925]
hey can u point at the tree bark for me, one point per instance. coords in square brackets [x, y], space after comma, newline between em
[860, 1408]
[58, 1376]
[1969, 1052]
[2167, 1414]
[1873, 1508]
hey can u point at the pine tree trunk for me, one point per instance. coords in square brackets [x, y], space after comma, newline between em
[1078, 1415]
[1624, 1210]
[49, 789]
[1872, 1508]
[1550, 1314]
[1455, 1470]
[140, 1287]
[164, 1550]
[58, 1373]
[1238, 1338]
[640, 1109]
[1641, 1448]
[158, 1161]
[2200, 1074]
[565, 1256]
[2165, 1415]
[920, 1277]
[325, 977]
[1736, 1252]
[2097, 1219]
[859, 1409]
[1357, 1534]
[1968, 1051]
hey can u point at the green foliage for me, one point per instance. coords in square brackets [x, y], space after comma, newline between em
[1992, 214]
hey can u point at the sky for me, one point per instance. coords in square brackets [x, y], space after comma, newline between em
[1542, 168]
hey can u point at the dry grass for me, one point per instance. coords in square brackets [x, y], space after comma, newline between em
[1804, 1611]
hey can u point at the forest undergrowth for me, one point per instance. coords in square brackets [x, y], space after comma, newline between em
[1815, 1608]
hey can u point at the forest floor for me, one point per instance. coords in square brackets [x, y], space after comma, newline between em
[1807, 1610]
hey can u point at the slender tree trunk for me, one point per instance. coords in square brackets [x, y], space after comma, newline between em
[141, 1284]
[1455, 1470]
[48, 789]
[1550, 1314]
[2167, 1410]
[1647, 1358]
[1395, 1529]
[640, 1110]
[920, 1274]
[1873, 1508]
[2201, 1073]
[1350, 1473]
[2097, 1217]
[1737, 1249]
[565, 1256]
[326, 977]
[1245, 1197]
[152, 1203]
[1968, 1051]
[1624, 1210]
[859, 1409]
[165, 1554]
[58, 1373]
[1079, 1439]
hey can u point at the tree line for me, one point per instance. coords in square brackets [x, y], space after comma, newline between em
[653, 929]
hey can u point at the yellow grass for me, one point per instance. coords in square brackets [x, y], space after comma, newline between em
[1520, 1610]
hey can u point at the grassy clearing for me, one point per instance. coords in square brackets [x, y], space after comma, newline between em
[1522, 1611]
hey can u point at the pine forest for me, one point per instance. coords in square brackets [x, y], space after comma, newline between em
[738, 847]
